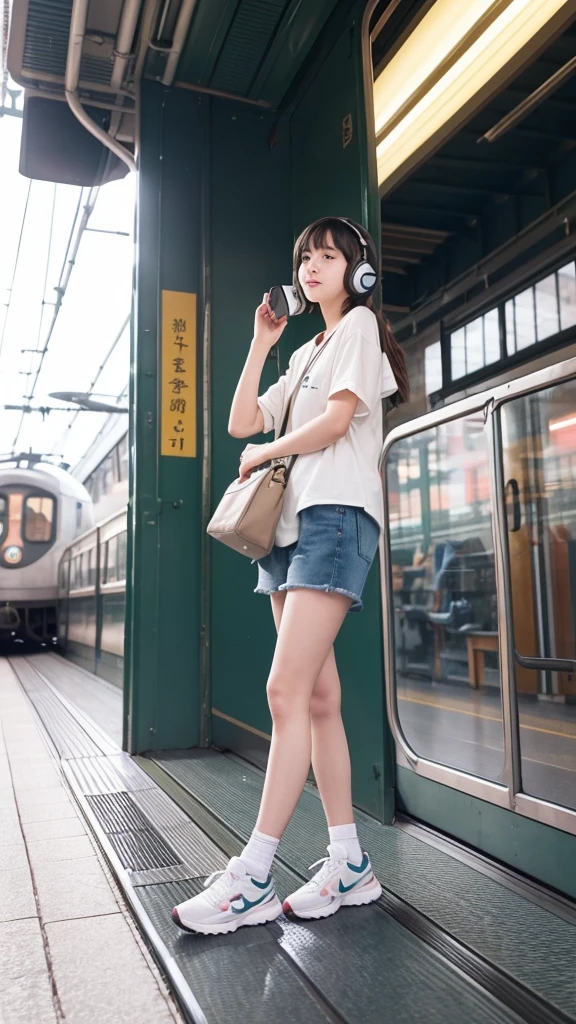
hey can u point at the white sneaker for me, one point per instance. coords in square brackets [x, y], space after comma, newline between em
[338, 883]
[231, 898]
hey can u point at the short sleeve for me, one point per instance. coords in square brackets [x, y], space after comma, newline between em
[360, 366]
[272, 404]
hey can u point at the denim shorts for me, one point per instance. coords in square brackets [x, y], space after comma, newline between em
[334, 551]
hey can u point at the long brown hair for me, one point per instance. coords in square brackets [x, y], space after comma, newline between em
[346, 240]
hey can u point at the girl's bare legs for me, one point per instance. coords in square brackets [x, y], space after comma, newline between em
[330, 754]
[309, 623]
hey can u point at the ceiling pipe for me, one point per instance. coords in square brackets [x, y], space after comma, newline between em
[178, 40]
[123, 52]
[529, 104]
[75, 43]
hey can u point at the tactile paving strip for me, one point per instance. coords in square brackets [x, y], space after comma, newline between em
[68, 736]
[509, 931]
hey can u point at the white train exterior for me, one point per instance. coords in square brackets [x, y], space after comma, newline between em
[42, 509]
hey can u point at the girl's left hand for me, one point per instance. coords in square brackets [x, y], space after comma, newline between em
[252, 457]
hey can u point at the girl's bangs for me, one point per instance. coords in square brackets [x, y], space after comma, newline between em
[316, 237]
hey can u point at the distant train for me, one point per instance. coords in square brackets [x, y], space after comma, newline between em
[92, 598]
[42, 509]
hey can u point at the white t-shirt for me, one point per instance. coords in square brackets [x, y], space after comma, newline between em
[346, 472]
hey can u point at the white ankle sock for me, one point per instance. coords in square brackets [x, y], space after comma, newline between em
[346, 834]
[258, 854]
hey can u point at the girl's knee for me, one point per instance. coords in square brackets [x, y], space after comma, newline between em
[283, 701]
[325, 704]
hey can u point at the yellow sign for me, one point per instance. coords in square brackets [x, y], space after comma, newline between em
[178, 388]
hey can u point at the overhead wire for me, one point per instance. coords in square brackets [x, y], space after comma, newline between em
[15, 268]
[123, 394]
[65, 274]
[119, 335]
[43, 303]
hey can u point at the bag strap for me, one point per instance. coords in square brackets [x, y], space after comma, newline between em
[288, 414]
[292, 399]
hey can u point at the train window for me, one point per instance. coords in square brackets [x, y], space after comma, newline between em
[122, 538]
[111, 570]
[567, 296]
[63, 574]
[3, 515]
[92, 567]
[475, 345]
[444, 593]
[539, 464]
[537, 313]
[38, 519]
[123, 457]
[433, 367]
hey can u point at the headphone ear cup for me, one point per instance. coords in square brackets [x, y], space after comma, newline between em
[363, 278]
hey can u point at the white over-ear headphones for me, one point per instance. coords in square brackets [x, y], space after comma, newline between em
[362, 276]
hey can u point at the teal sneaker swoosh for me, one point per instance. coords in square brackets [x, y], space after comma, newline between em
[261, 885]
[346, 888]
[359, 868]
[247, 905]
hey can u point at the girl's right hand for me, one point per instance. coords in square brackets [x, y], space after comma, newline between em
[267, 328]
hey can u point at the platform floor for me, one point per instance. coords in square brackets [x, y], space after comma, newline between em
[69, 950]
[452, 941]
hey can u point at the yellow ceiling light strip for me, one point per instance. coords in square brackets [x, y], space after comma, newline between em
[438, 40]
[510, 37]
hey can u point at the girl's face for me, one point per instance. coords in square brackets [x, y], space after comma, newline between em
[321, 273]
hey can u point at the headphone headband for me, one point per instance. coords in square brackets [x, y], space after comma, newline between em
[362, 240]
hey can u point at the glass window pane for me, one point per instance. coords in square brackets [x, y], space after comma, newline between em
[458, 354]
[567, 291]
[92, 567]
[539, 461]
[524, 318]
[122, 538]
[433, 368]
[492, 336]
[547, 313]
[510, 328]
[38, 517]
[112, 560]
[3, 516]
[474, 345]
[444, 593]
[123, 457]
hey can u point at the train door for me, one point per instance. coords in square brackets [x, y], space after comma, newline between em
[479, 598]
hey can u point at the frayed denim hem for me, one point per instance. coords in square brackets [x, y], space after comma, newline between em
[356, 606]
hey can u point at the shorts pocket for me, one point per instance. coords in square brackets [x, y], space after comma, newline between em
[368, 535]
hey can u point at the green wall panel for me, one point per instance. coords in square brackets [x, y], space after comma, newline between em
[538, 850]
[250, 249]
[164, 605]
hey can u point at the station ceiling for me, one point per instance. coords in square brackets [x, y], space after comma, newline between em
[472, 196]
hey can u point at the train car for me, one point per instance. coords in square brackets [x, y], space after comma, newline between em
[42, 508]
[92, 599]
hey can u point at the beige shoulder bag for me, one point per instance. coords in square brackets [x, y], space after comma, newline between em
[247, 516]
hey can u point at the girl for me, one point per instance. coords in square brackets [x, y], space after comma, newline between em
[326, 541]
